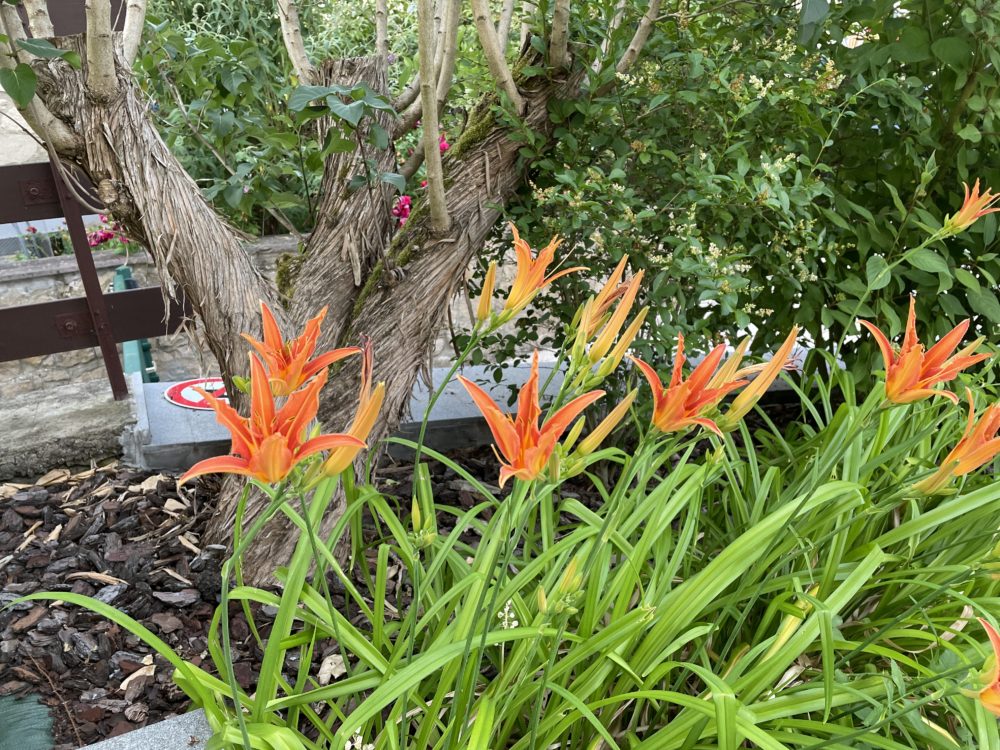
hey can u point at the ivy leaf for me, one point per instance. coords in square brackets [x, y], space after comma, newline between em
[877, 272]
[19, 83]
[928, 260]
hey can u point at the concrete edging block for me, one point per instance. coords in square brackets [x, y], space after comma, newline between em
[189, 731]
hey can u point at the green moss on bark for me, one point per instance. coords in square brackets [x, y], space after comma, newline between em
[287, 272]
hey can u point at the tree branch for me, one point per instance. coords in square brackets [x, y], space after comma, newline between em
[616, 22]
[503, 28]
[412, 164]
[381, 28]
[445, 52]
[408, 117]
[428, 97]
[408, 95]
[101, 81]
[47, 126]
[291, 33]
[639, 39]
[559, 38]
[494, 55]
[39, 22]
[445, 73]
[529, 9]
[135, 22]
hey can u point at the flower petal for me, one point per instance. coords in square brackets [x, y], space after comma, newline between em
[217, 465]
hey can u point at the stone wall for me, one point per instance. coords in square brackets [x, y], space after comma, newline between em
[176, 357]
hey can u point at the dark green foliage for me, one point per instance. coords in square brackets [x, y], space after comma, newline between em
[763, 166]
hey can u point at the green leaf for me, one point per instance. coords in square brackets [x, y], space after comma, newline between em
[913, 46]
[927, 260]
[233, 195]
[953, 51]
[877, 272]
[45, 49]
[303, 96]
[970, 133]
[19, 83]
[966, 279]
[379, 137]
[813, 11]
[350, 113]
[396, 180]
[985, 303]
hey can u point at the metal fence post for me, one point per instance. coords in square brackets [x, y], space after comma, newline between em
[92, 287]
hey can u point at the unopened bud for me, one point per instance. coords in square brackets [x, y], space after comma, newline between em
[540, 599]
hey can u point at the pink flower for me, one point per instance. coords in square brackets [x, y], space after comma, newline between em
[402, 208]
[423, 183]
[103, 218]
[32, 230]
[443, 143]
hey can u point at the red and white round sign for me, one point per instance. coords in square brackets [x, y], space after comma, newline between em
[184, 393]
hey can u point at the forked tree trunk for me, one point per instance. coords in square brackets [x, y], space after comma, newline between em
[411, 282]
[392, 286]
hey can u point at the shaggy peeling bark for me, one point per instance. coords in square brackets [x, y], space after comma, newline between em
[148, 191]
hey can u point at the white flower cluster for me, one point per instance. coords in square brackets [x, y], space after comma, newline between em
[508, 619]
[357, 743]
[759, 87]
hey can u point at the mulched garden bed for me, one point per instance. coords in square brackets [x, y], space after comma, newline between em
[132, 540]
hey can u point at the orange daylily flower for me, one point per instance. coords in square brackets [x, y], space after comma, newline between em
[530, 278]
[973, 207]
[289, 363]
[989, 695]
[369, 403]
[911, 373]
[684, 402]
[526, 447]
[978, 445]
[767, 372]
[269, 443]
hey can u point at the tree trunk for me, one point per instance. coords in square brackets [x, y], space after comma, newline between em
[158, 203]
[392, 286]
[401, 305]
